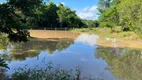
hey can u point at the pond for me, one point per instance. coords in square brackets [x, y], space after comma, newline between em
[111, 62]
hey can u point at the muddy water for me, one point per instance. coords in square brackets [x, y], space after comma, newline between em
[109, 59]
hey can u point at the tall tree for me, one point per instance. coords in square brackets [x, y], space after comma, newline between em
[67, 17]
[13, 16]
[130, 15]
[108, 4]
[115, 2]
[110, 16]
[103, 5]
[61, 14]
[11, 22]
[49, 16]
[126, 13]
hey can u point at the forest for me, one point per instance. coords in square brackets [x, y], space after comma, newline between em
[124, 13]
[38, 14]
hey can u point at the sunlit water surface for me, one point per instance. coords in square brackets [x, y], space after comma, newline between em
[71, 50]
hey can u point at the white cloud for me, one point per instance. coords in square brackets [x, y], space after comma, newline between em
[86, 8]
[88, 39]
[63, 3]
[89, 13]
[93, 8]
[83, 59]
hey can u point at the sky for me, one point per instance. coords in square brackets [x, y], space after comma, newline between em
[85, 9]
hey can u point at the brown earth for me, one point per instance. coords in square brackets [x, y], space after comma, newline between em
[51, 34]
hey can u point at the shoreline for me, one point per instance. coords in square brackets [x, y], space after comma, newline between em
[128, 40]
[106, 32]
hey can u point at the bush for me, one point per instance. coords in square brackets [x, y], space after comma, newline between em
[138, 29]
[117, 29]
[107, 24]
[49, 73]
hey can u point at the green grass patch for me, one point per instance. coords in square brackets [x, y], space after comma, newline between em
[107, 32]
[128, 35]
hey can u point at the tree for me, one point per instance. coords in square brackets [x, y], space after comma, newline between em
[49, 16]
[115, 2]
[110, 16]
[130, 14]
[10, 23]
[91, 23]
[28, 11]
[67, 17]
[108, 4]
[13, 15]
[125, 13]
[103, 5]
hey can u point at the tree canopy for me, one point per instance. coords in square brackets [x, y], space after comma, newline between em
[18, 15]
[13, 17]
[125, 13]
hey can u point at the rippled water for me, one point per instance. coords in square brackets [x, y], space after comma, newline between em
[71, 50]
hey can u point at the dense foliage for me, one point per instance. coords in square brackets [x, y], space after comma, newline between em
[13, 19]
[49, 15]
[103, 5]
[90, 23]
[18, 15]
[125, 13]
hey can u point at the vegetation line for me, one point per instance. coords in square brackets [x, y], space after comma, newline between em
[108, 33]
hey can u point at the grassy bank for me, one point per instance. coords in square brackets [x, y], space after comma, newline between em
[107, 32]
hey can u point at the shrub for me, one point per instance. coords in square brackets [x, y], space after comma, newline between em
[117, 29]
[107, 24]
[49, 73]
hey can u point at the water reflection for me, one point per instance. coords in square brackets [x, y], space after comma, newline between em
[71, 50]
[3, 43]
[20, 51]
[124, 63]
[90, 39]
[3, 75]
[59, 41]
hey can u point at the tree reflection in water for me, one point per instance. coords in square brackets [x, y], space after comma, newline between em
[124, 63]
[3, 42]
[20, 51]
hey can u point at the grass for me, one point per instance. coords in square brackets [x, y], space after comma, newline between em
[107, 32]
